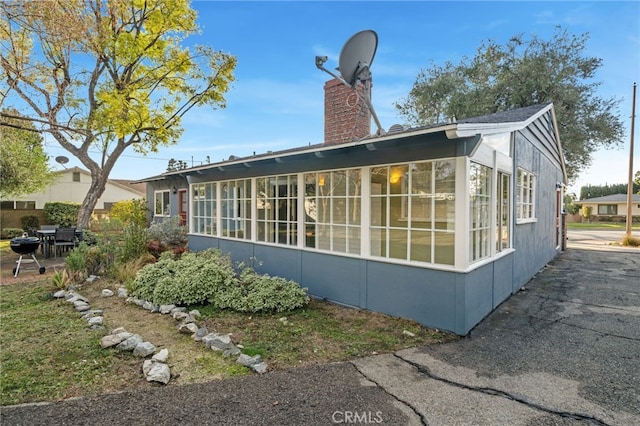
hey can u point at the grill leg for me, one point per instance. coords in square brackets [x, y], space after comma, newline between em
[17, 268]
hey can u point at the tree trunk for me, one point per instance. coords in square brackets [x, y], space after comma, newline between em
[96, 190]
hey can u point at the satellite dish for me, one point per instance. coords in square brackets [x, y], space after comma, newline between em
[355, 59]
[61, 159]
[357, 55]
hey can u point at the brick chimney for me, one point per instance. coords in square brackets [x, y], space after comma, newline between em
[346, 115]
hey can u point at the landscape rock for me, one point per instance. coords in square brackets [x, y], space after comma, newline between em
[106, 293]
[122, 292]
[118, 330]
[195, 313]
[249, 361]
[60, 294]
[260, 367]
[161, 356]
[150, 306]
[166, 309]
[82, 306]
[95, 321]
[144, 349]
[232, 351]
[91, 278]
[188, 328]
[130, 343]
[180, 316]
[178, 309]
[198, 335]
[146, 366]
[92, 313]
[159, 372]
[110, 341]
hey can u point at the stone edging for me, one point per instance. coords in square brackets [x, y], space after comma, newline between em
[155, 369]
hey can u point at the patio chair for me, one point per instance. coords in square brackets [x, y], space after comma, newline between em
[64, 238]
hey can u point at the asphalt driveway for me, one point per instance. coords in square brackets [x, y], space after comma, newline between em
[564, 351]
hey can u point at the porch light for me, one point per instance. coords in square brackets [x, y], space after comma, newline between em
[174, 189]
[396, 174]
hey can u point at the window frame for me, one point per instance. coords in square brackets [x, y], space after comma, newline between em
[526, 192]
[162, 206]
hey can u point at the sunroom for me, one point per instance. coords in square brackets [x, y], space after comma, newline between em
[437, 224]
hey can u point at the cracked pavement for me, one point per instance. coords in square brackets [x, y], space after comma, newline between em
[564, 351]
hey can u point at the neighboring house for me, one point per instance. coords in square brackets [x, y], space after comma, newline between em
[71, 186]
[439, 224]
[612, 206]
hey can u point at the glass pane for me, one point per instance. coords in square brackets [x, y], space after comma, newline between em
[398, 179]
[378, 211]
[339, 238]
[379, 180]
[339, 210]
[378, 242]
[397, 244]
[421, 181]
[339, 183]
[310, 235]
[353, 235]
[444, 248]
[398, 212]
[355, 183]
[353, 209]
[421, 246]
[323, 237]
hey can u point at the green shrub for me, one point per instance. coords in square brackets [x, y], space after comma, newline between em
[12, 232]
[76, 263]
[89, 237]
[167, 235]
[130, 212]
[263, 293]
[30, 223]
[134, 242]
[209, 276]
[63, 214]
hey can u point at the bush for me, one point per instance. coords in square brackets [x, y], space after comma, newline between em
[30, 223]
[630, 240]
[263, 293]
[195, 278]
[208, 276]
[134, 242]
[130, 212]
[8, 233]
[167, 235]
[63, 214]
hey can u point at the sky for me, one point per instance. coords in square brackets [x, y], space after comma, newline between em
[276, 101]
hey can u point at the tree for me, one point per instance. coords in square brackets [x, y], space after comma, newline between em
[23, 162]
[519, 74]
[636, 181]
[107, 76]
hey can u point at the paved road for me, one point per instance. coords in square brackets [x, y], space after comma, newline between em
[565, 351]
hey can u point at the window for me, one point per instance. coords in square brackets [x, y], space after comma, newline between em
[203, 208]
[332, 204]
[479, 214]
[607, 209]
[526, 195]
[503, 212]
[25, 205]
[235, 199]
[277, 209]
[161, 203]
[107, 205]
[76, 176]
[413, 211]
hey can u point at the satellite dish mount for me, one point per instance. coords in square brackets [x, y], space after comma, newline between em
[354, 65]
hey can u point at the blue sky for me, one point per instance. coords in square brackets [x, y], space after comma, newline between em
[276, 101]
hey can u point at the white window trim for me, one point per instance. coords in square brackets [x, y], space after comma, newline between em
[534, 194]
[155, 197]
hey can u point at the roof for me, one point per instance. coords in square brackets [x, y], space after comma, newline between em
[500, 122]
[614, 198]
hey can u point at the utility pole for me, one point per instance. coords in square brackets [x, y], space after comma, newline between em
[630, 187]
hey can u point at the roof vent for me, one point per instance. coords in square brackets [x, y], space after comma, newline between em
[233, 157]
[396, 128]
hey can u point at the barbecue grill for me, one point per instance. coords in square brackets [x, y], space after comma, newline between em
[23, 246]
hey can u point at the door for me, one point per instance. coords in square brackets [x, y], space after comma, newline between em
[182, 206]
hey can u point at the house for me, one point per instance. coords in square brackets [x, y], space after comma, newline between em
[438, 224]
[612, 207]
[71, 186]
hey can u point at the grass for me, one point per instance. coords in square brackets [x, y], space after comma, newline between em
[48, 353]
[601, 225]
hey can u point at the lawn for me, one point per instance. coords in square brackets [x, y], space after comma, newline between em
[48, 353]
[602, 225]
